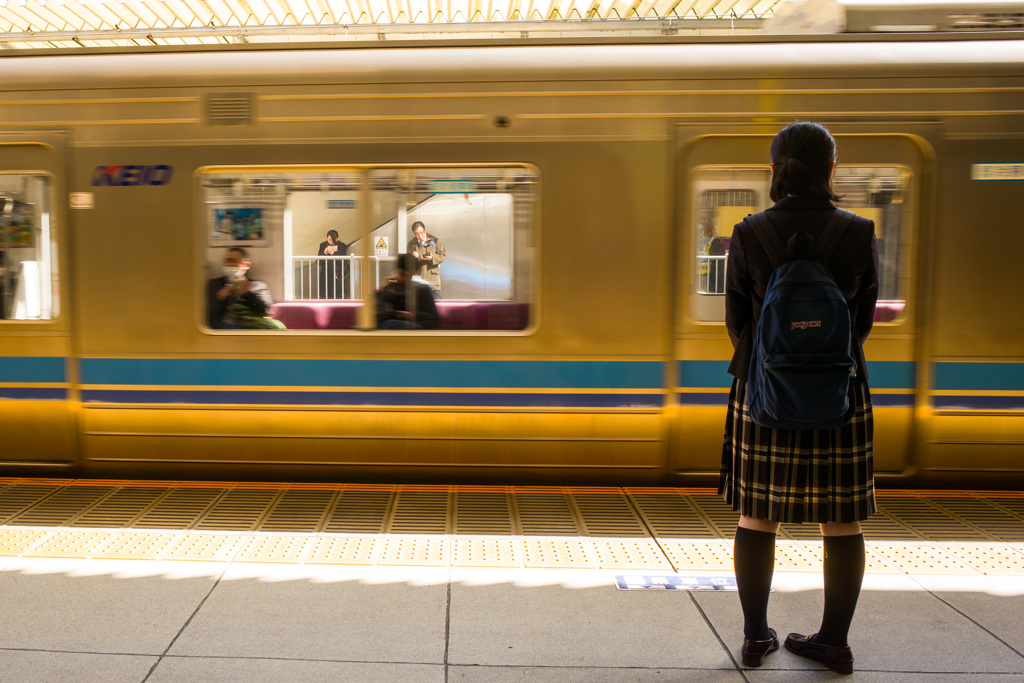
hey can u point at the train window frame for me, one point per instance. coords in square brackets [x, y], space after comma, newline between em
[523, 222]
[46, 246]
[901, 266]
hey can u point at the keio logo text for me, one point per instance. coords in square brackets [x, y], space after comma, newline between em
[132, 176]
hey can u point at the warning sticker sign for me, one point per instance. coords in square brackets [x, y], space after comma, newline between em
[380, 247]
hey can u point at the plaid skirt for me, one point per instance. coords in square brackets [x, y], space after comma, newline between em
[797, 475]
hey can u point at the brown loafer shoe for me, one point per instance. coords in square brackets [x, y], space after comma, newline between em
[754, 651]
[838, 658]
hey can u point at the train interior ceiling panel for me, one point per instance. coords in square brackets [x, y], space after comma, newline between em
[569, 204]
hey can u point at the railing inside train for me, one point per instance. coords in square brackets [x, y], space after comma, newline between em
[331, 277]
[711, 274]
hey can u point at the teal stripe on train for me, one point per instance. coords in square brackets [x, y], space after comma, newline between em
[374, 373]
[32, 369]
[949, 376]
[960, 376]
[707, 374]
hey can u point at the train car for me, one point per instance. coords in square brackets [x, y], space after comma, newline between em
[584, 193]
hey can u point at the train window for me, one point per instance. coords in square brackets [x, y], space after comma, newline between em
[28, 249]
[306, 251]
[723, 196]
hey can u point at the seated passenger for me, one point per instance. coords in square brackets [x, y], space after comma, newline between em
[236, 302]
[403, 303]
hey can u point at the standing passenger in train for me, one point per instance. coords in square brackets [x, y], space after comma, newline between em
[233, 300]
[779, 475]
[429, 253]
[332, 273]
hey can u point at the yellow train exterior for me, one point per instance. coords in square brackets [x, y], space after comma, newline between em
[631, 156]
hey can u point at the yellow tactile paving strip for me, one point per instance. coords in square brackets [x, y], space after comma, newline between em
[630, 529]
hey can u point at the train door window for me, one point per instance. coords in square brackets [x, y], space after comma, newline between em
[721, 197]
[879, 193]
[318, 253]
[28, 248]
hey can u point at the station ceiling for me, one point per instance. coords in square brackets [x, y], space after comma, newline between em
[106, 23]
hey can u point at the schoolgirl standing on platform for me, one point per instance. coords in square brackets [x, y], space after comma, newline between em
[774, 476]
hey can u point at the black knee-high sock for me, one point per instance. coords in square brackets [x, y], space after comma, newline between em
[844, 574]
[753, 558]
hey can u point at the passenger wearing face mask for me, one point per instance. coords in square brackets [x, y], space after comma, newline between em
[233, 300]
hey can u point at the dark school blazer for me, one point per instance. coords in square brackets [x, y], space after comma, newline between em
[854, 266]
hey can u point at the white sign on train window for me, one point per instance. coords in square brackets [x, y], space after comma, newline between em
[380, 247]
[999, 171]
[451, 186]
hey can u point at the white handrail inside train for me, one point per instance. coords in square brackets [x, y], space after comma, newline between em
[307, 278]
[711, 274]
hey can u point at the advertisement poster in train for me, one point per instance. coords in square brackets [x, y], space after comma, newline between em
[238, 226]
[17, 223]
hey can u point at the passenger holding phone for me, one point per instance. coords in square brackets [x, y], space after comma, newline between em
[233, 297]
[429, 253]
[332, 273]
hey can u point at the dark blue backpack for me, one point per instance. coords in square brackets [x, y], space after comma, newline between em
[801, 371]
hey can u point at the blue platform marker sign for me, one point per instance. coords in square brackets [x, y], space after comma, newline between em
[674, 582]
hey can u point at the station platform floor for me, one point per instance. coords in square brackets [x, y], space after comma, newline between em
[156, 581]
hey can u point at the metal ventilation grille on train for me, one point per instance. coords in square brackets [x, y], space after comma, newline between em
[229, 109]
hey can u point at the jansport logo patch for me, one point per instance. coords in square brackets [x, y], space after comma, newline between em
[132, 176]
[804, 324]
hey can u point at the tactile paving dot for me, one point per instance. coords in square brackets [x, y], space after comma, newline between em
[420, 551]
[629, 554]
[875, 563]
[69, 544]
[920, 559]
[343, 550]
[699, 555]
[16, 541]
[206, 548]
[485, 552]
[540, 552]
[279, 549]
[794, 556]
[136, 546]
[987, 559]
